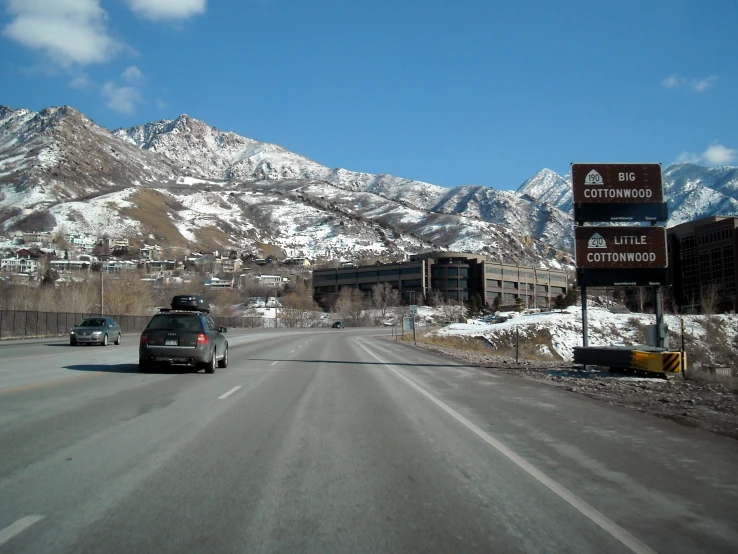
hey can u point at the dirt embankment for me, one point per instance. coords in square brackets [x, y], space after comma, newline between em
[702, 401]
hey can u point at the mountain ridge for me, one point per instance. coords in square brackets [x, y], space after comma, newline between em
[185, 181]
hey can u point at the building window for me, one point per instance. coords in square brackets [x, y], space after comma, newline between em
[411, 270]
[388, 272]
[494, 283]
[729, 265]
[510, 285]
[492, 295]
[463, 272]
[411, 283]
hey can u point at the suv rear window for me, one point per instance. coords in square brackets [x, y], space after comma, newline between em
[183, 322]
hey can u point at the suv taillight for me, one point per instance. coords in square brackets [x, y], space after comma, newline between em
[144, 338]
[202, 338]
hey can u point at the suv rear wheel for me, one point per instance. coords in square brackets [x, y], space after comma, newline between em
[210, 366]
[224, 361]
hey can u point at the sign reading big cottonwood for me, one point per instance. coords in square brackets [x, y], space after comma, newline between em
[617, 183]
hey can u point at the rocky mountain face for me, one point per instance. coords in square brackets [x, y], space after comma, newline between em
[691, 191]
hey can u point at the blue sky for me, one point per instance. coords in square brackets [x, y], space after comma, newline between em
[452, 93]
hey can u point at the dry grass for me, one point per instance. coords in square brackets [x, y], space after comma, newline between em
[211, 238]
[153, 212]
[640, 330]
[270, 249]
[706, 377]
[537, 347]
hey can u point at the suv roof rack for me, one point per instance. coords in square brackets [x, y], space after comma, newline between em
[190, 303]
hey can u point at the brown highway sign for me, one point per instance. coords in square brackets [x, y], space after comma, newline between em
[620, 247]
[601, 183]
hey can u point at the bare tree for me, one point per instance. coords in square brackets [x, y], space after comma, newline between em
[384, 297]
[709, 299]
[128, 294]
[351, 305]
[299, 311]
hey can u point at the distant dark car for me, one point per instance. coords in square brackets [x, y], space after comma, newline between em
[337, 325]
[95, 330]
[184, 334]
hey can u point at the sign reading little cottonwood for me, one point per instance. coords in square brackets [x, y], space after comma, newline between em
[616, 183]
[620, 247]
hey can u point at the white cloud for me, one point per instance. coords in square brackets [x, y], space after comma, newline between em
[133, 75]
[702, 85]
[697, 85]
[67, 31]
[688, 158]
[81, 82]
[121, 98]
[716, 154]
[168, 9]
[672, 81]
[125, 97]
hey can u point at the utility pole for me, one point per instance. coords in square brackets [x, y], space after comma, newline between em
[102, 290]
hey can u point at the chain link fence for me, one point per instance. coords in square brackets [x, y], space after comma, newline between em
[16, 324]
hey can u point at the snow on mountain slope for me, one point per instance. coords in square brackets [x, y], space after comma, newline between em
[212, 154]
[58, 155]
[691, 192]
[548, 186]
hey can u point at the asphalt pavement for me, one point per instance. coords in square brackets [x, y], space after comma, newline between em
[339, 441]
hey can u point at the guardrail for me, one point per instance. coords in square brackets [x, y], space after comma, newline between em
[628, 357]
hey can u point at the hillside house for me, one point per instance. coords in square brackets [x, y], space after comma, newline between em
[25, 265]
[150, 252]
[85, 242]
[223, 282]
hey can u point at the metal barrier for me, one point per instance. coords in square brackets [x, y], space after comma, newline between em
[628, 357]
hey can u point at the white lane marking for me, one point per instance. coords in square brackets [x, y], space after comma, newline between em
[230, 392]
[583, 507]
[292, 351]
[274, 362]
[18, 527]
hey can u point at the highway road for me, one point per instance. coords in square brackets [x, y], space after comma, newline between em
[340, 441]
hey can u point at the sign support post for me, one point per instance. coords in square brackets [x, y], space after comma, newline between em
[659, 319]
[585, 327]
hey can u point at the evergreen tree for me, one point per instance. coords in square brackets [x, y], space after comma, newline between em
[475, 306]
[572, 297]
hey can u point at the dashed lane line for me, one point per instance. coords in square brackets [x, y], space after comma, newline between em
[230, 392]
[18, 527]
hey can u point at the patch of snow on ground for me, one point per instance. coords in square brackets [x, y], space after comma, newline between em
[605, 328]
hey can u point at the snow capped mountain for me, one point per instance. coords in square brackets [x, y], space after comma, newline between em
[214, 155]
[186, 185]
[691, 192]
[548, 186]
